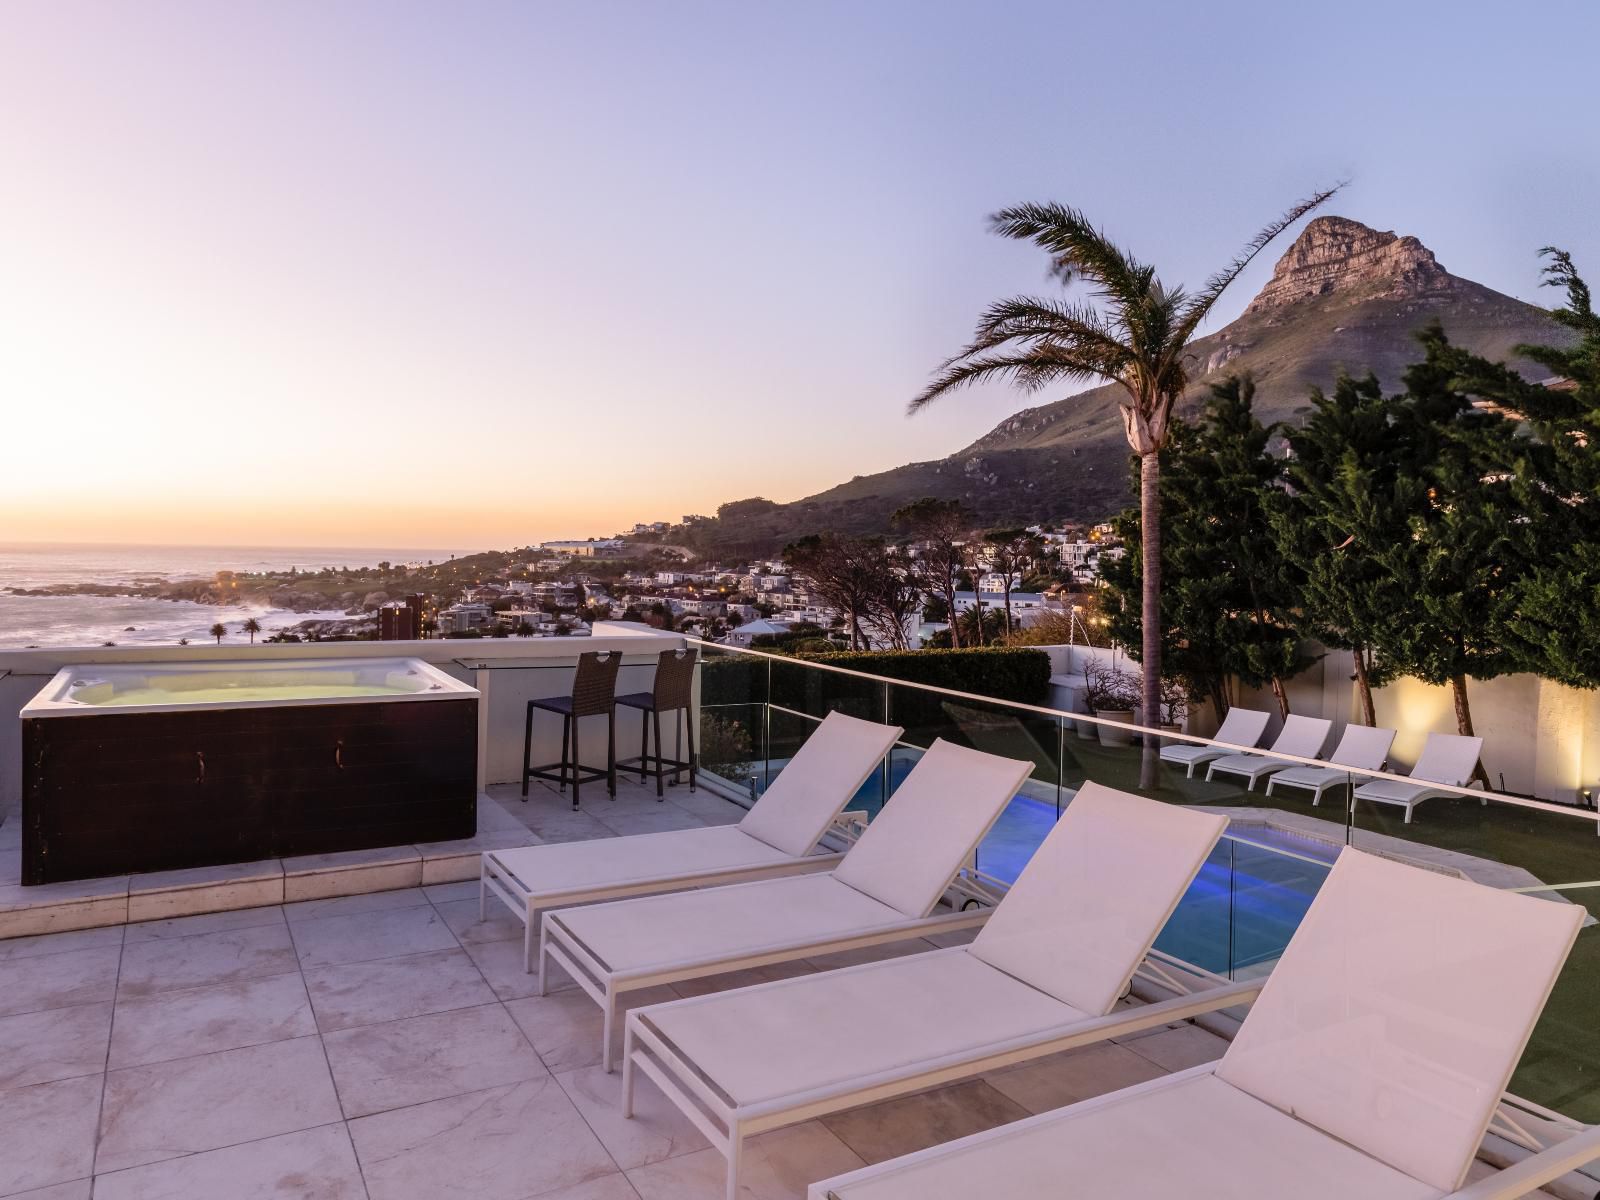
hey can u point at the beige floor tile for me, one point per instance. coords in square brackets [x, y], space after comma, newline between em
[665, 819]
[12, 949]
[657, 1129]
[379, 1067]
[359, 937]
[227, 956]
[312, 1164]
[1181, 1048]
[239, 918]
[56, 1043]
[504, 1143]
[553, 820]
[895, 1127]
[204, 1020]
[343, 906]
[1064, 1079]
[462, 918]
[709, 808]
[78, 1189]
[777, 1166]
[565, 1027]
[58, 980]
[607, 1187]
[502, 964]
[391, 989]
[445, 893]
[190, 1105]
[47, 1133]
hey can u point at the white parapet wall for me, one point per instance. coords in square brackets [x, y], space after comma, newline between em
[1540, 738]
[513, 670]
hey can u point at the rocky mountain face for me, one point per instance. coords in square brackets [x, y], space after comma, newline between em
[1336, 257]
[1343, 297]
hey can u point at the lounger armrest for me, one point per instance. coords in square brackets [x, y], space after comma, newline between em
[1536, 1170]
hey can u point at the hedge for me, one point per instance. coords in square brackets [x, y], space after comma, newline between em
[1006, 673]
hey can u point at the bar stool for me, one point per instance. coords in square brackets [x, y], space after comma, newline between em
[594, 689]
[672, 691]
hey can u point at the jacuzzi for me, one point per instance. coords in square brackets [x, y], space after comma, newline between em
[158, 766]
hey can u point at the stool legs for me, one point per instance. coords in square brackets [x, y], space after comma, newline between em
[655, 714]
[576, 774]
[527, 753]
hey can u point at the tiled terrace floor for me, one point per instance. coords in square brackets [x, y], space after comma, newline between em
[390, 1046]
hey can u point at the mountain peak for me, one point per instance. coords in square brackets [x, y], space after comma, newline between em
[1338, 255]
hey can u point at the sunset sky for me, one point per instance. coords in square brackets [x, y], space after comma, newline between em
[474, 275]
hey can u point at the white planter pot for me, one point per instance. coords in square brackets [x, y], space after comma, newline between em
[1110, 736]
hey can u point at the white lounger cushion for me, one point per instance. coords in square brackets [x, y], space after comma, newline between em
[766, 1043]
[796, 810]
[637, 858]
[939, 813]
[1194, 1138]
[1095, 895]
[1241, 727]
[1398, 1011]
[721, 922]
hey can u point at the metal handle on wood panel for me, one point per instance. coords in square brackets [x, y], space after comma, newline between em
[200, 760]
[338, 754]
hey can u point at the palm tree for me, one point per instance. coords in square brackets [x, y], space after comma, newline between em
[252, 627]
[1131, 332]
[219, 631]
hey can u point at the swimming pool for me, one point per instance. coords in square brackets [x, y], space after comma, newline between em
[1237, 915]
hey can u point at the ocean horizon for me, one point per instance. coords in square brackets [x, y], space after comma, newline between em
[95, 620]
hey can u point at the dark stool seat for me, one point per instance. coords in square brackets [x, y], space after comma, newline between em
[593, 695]
[671, 692]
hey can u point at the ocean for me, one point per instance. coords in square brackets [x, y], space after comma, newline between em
[95, 620]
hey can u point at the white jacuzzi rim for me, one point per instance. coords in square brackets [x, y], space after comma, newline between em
[53, 700]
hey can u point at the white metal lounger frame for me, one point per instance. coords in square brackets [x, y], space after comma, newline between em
[529, 901]
[1415, 789]
[1193, 754]
[1548, 1162]
[726, 1125]
[1253, 766]
[606, 987]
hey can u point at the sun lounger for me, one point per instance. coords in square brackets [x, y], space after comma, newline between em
[1044, 975]
[886, 888]
[1241, 728]
[1303, 737]
[1360, 748]
[1370, 1067]
[778, 836]
[1446, 758]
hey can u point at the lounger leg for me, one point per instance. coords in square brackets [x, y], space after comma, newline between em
[1408, 814]
[483, 889]
[627, 1071]
[530, 922]
[544, 957]
[611, 1018]
[735, 1154]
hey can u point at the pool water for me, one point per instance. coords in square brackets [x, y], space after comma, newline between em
[1238, 914]
[137, 697]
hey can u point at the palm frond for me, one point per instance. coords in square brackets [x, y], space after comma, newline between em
[1203, 300]
[1030, 369]
[1078, 251]
[1031, 319]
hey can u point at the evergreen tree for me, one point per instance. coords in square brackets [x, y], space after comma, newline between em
[1230, 596]
[1552, 623]
[1347, 475]
[1455, 576]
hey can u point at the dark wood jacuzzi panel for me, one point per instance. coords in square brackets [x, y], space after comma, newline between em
[115, 793]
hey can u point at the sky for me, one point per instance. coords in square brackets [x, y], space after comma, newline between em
[475, 275]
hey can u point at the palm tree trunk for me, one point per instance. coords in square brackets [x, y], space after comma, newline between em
[954, 614]
[1279, 691]
[1150, 609]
